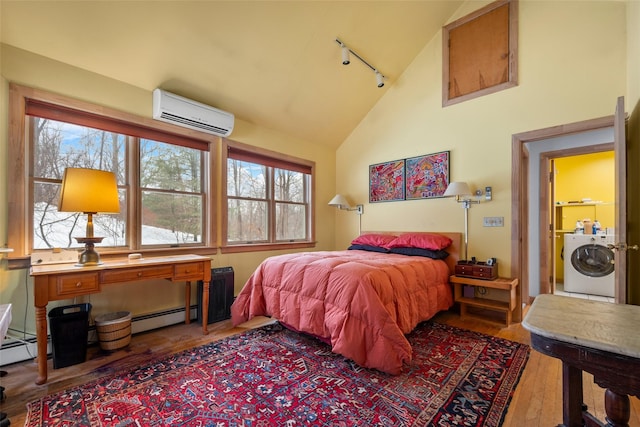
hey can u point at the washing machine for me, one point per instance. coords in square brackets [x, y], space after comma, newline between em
[588, 264]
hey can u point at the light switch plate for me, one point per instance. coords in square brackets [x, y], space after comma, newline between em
[493, 221]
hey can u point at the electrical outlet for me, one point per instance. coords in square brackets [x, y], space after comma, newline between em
[493, 221]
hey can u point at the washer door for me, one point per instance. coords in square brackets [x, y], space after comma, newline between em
[593, 260]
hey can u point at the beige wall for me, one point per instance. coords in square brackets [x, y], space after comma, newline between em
[31, 70]
[572, 63]
[575, 59]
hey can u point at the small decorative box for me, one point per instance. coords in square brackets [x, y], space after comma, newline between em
[477, 270]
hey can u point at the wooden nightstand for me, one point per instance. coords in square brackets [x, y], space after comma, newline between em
[505, 284]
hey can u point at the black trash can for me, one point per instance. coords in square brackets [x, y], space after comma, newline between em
[69, 326]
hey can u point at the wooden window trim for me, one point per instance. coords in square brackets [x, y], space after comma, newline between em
[37, 107]
[512, 78]
[276, 160]
[270, 158]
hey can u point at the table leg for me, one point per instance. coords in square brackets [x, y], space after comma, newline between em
[205, 306]
[41, 340]
[187, 303]
[571, 396]
[617, 408]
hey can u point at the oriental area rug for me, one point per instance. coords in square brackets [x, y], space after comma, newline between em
[275, 377]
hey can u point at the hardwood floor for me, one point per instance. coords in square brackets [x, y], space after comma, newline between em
[537, 400]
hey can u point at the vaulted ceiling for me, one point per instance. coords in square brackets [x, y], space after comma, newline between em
[271, 63]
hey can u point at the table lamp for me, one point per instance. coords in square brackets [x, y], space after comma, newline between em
[89, 191]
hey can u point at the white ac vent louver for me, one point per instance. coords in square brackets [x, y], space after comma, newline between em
[175, 109]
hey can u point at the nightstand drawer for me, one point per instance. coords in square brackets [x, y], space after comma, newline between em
[76, 284]
[192, 270]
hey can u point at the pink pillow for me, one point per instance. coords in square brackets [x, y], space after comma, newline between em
[372, 239]
[430, 241]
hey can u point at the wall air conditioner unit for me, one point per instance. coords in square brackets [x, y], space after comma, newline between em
[180, 111]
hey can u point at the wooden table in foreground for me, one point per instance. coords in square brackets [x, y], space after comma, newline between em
[596, 337]
[66, 281]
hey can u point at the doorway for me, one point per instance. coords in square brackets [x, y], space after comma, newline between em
[531, 152]
[582, 208]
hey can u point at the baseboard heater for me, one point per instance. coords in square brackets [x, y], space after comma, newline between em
[220, 295]
[18, 350]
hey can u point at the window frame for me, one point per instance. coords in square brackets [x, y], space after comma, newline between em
[272, 159]
[20, 217]
[203, 194]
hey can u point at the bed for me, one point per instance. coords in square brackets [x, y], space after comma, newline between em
[362, 301]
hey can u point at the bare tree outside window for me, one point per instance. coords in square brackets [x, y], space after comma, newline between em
[170, 187]
[290, 205]
[248, 205]
[57, 146]
[265, 203]
[172, 196]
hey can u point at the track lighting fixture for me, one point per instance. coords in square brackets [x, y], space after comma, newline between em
[345, 55]
[346, 61]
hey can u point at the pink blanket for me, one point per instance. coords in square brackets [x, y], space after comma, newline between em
[362, 303]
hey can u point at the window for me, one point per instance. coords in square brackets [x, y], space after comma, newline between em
[162, 177]
[56, 146]
[268, 197]
[165, 176]
[172, 199]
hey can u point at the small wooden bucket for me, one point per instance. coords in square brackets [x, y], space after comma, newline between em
[114, 330]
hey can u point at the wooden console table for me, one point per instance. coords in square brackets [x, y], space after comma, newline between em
[596, 337]
[66, 281]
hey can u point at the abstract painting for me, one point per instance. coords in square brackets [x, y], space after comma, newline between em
[386, 181]
[427, 176]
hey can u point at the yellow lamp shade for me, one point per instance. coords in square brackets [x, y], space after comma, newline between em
[89, 190]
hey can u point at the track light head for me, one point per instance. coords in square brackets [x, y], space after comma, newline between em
[379, 78]
[345, 55]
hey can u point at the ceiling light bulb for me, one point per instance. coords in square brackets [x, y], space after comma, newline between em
[345, 55]
[379, 79]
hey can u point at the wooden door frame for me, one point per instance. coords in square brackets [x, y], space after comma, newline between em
[520, 193]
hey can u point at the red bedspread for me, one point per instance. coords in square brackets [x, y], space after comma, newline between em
[362, 303]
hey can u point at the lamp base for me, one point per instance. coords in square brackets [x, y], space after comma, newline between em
[89, 257]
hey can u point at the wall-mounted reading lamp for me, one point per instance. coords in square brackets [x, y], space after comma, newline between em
[462, 193]
[340, 202]
[89, 191]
